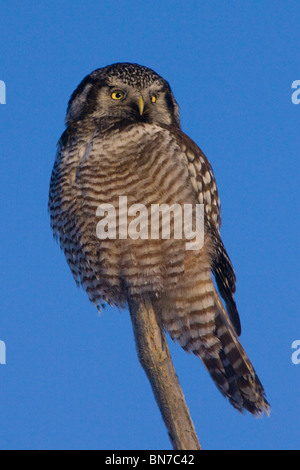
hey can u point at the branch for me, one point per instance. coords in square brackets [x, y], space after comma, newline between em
[155, 358]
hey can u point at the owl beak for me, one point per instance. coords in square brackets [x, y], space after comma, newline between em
[141, 105]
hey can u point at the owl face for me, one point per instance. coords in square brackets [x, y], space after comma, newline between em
[124, 92]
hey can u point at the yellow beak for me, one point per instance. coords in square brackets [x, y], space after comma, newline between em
[141, 105]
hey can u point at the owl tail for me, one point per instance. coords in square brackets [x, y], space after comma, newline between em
[208, 333]
[231, 369]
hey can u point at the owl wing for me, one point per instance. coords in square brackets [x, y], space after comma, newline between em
[226, 280]
[203, 181]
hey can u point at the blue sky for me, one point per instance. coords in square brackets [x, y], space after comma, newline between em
[72, 378]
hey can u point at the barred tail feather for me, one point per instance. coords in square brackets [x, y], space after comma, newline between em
[232, 371]
[206, 331]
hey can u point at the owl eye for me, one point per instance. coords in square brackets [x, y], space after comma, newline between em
[118, 95]
[153, 98]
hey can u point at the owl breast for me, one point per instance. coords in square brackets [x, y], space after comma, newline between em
[140, 164]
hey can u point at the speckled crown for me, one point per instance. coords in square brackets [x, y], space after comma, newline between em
[132, 74]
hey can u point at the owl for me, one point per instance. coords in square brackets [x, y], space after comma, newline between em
[123, 142]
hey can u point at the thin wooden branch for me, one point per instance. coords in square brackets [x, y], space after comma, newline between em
[155, 358]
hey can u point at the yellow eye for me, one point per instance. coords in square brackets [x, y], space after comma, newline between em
[117, 95]
[153, 99]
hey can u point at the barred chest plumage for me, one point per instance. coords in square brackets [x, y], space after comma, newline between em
[144, 164]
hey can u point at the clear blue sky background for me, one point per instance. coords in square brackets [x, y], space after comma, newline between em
[72, 379]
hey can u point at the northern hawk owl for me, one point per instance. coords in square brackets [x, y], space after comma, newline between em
[123, 139]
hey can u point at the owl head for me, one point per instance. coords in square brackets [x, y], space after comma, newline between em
[124, 91]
